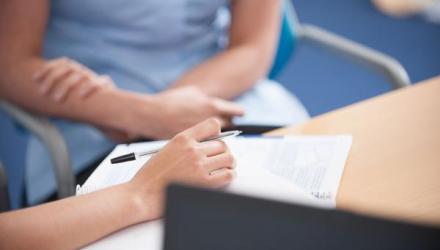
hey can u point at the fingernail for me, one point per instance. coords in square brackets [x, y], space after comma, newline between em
[58, 96]
[82, 92]
[43, 89]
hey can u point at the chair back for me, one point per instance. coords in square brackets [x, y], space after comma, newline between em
[52, 140]
[288, 39]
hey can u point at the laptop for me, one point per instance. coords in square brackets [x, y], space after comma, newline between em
[200, 219]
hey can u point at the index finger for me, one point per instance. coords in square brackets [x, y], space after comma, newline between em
[44, 70]
[49, 66]
[204, 130]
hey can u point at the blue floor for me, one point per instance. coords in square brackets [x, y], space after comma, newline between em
[321, 80]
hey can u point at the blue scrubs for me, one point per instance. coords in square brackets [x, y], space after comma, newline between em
[144, 46]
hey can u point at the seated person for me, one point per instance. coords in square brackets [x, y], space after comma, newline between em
[77, 221]
[173, 62]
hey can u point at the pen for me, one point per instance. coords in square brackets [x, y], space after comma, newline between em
[133, 156]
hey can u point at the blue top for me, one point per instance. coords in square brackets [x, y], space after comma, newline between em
[143, 46]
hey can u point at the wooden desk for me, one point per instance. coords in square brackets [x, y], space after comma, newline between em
[394, 165]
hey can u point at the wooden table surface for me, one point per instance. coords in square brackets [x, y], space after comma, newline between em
[393, 169]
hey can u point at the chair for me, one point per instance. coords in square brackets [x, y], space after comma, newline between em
[54, 142]
[292, 33]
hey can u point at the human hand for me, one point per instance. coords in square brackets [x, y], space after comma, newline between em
[399, 8]
[61, 77]
[186, 160]
[175, 110]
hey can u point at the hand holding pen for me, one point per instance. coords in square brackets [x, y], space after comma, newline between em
[134, 156]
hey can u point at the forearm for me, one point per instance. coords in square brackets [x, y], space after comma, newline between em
[253, 36]
[17, 86]
[230, 73]
[73, 222]
[21, 49]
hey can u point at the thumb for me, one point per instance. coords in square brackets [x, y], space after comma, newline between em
[226, 108]
[225, 122]
[208, 128]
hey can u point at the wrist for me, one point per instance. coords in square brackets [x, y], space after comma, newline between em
[146, 204]
[126, 110]
[148, 116]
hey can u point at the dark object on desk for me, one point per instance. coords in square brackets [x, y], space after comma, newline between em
[253, 129]
[245, 130]
[199, 219]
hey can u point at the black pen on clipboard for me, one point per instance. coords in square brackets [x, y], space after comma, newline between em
[134, 156]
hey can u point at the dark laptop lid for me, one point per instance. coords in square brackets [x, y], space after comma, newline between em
[200, 219]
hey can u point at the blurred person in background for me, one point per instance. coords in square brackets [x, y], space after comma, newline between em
[400, 8]
[172, 64]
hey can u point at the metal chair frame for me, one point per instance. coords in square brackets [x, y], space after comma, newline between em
[358, 53]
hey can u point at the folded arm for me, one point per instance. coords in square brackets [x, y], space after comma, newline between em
[22, 27]
[253, 37]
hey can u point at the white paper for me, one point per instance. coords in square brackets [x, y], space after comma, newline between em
[313, 163]
[107, 174]
[286, 169]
